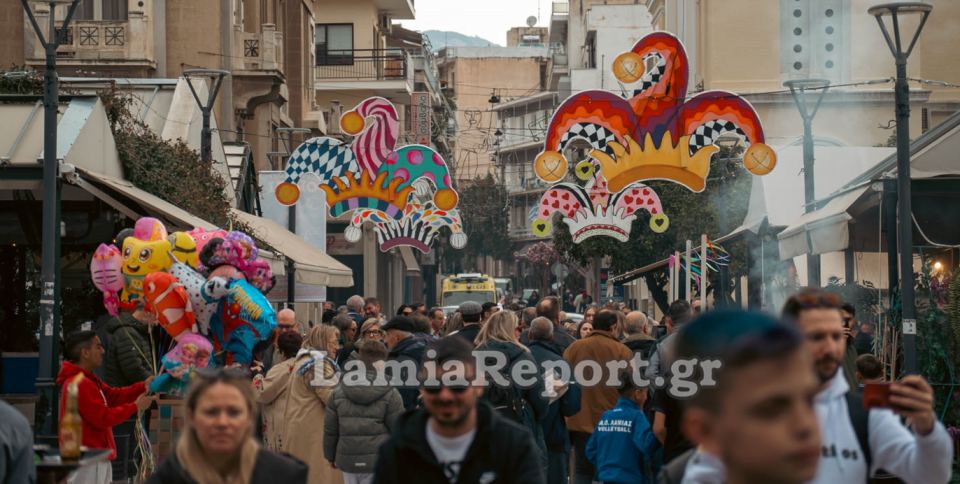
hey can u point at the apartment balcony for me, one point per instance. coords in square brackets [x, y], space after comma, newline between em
[398, 9]
[108, 47]
[258, 53]
[388, 72]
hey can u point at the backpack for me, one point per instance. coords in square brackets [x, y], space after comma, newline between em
[507, 401]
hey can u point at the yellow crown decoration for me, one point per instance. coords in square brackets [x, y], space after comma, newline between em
[363, 193]
[668, 162]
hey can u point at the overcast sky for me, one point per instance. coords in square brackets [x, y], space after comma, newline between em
[489, 19]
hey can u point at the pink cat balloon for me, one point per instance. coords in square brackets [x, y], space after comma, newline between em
[105, 270]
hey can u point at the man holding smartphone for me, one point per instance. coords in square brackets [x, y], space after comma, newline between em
[853, 448]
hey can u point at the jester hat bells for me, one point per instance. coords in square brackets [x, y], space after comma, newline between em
[655, 134]
[371, 178]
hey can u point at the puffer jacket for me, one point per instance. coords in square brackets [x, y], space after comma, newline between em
[127, 357]
[359, 419]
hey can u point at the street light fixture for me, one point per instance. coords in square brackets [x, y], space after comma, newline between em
[798, 88]
[905, 223]
[216, 80]
[50, 254]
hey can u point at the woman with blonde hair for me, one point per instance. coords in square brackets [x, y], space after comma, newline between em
[524, 405]
[311, 384]
[454, 323]
[217, 445]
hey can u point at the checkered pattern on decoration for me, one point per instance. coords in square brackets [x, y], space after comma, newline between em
[325, 157]
[707, 134]
[595, 134]
[652, 76]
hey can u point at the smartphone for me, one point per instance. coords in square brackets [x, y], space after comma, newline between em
[876, 395]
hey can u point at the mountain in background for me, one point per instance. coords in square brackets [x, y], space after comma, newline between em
[441, 38]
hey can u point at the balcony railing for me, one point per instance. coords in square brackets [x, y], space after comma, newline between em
[258, 51]
[363, 65]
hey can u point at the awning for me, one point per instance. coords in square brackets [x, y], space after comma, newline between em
[176, 216]
[312, 266]
[821, 231]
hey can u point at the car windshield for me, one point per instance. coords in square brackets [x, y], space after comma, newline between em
[459, 297]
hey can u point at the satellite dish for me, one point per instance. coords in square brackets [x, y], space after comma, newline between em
[531, 21]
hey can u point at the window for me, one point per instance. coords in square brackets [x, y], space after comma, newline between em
[334, 43]
[101, 10]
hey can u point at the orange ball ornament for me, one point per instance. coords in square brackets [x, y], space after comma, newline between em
[352, 123]
[628, 67]
[550, 166]
[287, 193]
[445, 199]
[760, 159]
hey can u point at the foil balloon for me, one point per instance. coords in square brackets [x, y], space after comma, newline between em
[245, 319]
[147, 250]
[201, 237]
[107, 274]
[205, 294]
[168, 300]
[192, 352]
[183, 248]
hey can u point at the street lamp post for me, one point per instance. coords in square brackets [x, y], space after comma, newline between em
[798, 88]
[905, 223]
[50, 271]
[206, 108]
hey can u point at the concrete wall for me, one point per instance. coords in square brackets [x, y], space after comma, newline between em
[361, 13]
[12, 25]
[473, 80]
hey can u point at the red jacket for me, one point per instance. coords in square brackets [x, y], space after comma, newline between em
[101, 406]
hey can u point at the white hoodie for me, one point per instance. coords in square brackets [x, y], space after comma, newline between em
[913, 458]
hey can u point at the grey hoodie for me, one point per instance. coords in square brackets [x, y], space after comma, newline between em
[358, 420]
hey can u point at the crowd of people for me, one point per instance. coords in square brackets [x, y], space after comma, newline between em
[786, 403]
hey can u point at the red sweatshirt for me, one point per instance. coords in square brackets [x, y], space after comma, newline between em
[101, 406]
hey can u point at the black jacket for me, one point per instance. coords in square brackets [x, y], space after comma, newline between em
[502, 452]
[561, 339]
[643, 347]
[270, 468]
[410, 349]
[127, 357]
[554, 425]
[469, 332]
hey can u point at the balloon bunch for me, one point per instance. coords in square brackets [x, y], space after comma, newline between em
[204, 285]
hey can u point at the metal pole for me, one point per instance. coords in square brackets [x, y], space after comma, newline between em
[49, 359]
[905, 212]
[890, 235]
[206, 108]
[688, 273]
[798, 88]
[703, 273]
[908, 308]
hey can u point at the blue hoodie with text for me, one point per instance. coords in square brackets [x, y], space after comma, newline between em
[621, 445]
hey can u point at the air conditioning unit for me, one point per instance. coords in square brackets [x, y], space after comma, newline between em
[385, 24]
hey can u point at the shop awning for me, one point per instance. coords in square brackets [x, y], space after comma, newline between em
[821, 231]
[409, 261]
[312, 266]
[175, 216]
